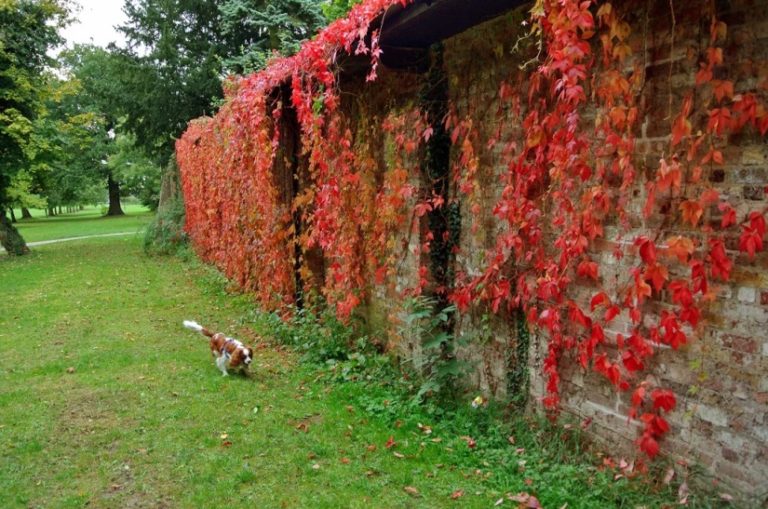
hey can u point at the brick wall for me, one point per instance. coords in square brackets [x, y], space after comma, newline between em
[721, 378]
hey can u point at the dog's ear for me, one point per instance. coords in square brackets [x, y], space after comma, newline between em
[236, 358]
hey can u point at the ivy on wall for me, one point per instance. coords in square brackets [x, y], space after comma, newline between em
[568, 190]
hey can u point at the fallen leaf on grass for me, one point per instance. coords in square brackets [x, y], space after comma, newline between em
[303, 426]
[316, 466]
[469, 440]
[226, 443]
[457, 494]
[427, 430]
[669, 475]
[726, 496]
[224, 436]
[390, 443]
[398, 455]
[70, 370]
[499, 502]
[682, 494]
[526, 500]
[511, 439]
[412, 491]
[345, 461]
[371, 447]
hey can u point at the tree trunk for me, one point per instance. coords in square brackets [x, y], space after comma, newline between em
[25, 213]
[114, 197]
[9, 237]
[13, 215]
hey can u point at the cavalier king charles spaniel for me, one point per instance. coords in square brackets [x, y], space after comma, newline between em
[228, 352]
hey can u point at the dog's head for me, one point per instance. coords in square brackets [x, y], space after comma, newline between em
[247, 356]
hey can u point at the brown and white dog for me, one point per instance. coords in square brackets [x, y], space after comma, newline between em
[228, 352]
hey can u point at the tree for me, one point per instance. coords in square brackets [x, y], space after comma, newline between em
[260, 28]
[180, 50]
[335, 9]
[137, 173]
[28, 28]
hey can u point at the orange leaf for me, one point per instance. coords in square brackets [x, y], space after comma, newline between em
[656, 274]
[723, 88]
[680, 247]
[411, 491]
[692, 211]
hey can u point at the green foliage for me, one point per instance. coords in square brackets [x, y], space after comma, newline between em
[438, 369]
[20, 192]
[315, 333]
[259, 28]
[28, 29]
[335, 9]
[165, 234]
[178, 53]
[138, 174]
[518, 379]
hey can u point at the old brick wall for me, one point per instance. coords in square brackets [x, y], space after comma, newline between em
[366, 107]
[721, 377]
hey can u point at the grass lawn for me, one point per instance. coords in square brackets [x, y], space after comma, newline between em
[106, 401]
[90, 221]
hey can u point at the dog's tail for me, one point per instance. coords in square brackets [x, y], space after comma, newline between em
[189, 324]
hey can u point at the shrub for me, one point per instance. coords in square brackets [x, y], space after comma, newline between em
[165, 234]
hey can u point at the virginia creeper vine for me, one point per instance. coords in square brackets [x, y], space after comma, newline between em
[567, 202]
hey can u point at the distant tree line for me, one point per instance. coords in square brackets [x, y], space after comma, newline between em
[99, 123]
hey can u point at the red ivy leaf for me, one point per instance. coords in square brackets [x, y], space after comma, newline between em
[663, 399]
[647, 249]
[599, 299]
[587, 269]
[729, 215]
[648, 445]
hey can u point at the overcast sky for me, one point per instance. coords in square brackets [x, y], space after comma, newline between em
[96, 23]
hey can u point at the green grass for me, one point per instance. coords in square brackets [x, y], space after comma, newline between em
[90, 221]
[140, 421]
[106, 401]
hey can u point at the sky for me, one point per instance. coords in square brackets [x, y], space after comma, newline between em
[96, 23]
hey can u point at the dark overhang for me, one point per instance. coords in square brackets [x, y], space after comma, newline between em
[407, 32]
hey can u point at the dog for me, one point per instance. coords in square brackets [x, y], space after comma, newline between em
[228, 352]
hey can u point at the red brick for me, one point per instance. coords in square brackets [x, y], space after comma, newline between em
[730, 455]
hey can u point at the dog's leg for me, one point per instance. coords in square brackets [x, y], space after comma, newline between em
[221, 362]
